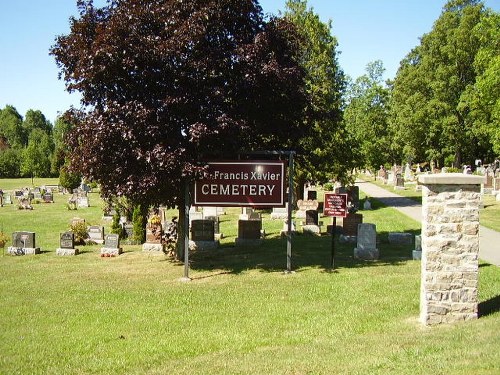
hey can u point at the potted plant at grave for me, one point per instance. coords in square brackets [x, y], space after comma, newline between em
[3, 239]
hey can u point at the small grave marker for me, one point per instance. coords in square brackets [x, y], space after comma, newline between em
[111, 246]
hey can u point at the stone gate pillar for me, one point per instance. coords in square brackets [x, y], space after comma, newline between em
[450, 247]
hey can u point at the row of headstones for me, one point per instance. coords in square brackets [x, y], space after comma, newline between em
[24, 243]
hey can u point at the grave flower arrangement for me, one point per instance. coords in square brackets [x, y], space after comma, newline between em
[3, 239]
[154, 220]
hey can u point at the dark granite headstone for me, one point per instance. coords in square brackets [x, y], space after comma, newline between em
[67, 240]
[23, 239]
[202, 230]
[48, 198]
[215, 219]
[112, 241]
[249, 229]
[311, 217]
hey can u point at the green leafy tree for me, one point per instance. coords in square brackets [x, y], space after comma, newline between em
[35, 119]
[433, 80]
[62, 128]
[482, 100]
[10, 163]
[11, 128]
[68, 179]
[326, 150]
[366, 117]
[139, 224]
[36, 156]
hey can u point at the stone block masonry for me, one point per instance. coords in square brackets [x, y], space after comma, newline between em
[450, 247]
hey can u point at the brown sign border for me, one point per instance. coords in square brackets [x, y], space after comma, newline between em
[243, 167]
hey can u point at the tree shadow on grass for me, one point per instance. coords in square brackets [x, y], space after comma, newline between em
[307, 251]
[489, 307]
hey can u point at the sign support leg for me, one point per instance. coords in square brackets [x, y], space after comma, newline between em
[334, 225]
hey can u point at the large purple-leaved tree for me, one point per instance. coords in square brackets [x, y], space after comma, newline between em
[166, 84]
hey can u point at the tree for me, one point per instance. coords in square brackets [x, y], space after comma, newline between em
[326, 152]
[366, 117]
[68, 179]
[440, 71]
[36, 156]
[35, 119]
[11, 127]
[482, 100]
[176, 83]
[61, 129]
[10, 163]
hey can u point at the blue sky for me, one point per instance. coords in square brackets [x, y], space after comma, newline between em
[366, 30]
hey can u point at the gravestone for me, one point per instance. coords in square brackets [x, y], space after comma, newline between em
[48, 198]
[400, 182]
[280, 212]
[312, 223]
[367, 205]
[154, 233]
[24, 203]
[249, 233]
[111, 246]
[209, 211]
[305, 205]
[7, 199]
[96, 234]
[128, 227]
[23, 243]
[398, 238]
[217, 232]
[350, 224]
[202, 230]
[37, 195]
[67, 244]
[352, 196]
[245, 213]
[195, 215]
[417, 253]
[83, 201]
[366, 248]
[203, 235]
[284, 231]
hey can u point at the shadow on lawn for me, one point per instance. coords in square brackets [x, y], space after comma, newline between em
[489, 307]
[307, 251]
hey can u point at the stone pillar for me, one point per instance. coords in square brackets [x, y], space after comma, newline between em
[450, 247]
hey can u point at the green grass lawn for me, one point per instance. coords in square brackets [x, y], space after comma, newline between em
[240, 314]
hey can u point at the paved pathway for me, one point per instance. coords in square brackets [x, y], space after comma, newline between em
[489, 240]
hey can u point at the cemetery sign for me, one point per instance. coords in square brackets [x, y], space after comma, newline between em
[248, 183]
[335, 205]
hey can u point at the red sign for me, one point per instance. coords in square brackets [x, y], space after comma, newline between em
[335, 205]
[247, 183]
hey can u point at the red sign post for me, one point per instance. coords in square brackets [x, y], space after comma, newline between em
[334, 205]
[249, 183]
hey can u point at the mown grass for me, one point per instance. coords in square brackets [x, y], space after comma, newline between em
[240, 313]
